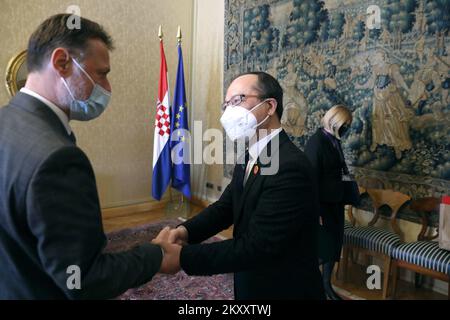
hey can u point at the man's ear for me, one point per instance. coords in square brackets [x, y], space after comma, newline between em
[61, 62]
[273, 106]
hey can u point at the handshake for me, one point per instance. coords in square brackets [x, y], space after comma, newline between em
[171, 241]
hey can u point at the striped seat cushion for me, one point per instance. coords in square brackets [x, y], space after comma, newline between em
[347, 224]
[426, 254]
[372, 238]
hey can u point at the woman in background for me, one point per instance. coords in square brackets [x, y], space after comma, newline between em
[325, 153]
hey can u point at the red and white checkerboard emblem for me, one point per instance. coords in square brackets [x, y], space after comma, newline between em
[162, 120]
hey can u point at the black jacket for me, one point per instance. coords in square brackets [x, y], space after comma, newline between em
[273, 252]
[328, 165]
[50, 214]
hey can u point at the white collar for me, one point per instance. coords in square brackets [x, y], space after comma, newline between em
[59, 113]
[256, 148]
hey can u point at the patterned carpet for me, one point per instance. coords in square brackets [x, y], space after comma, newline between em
[169, 287]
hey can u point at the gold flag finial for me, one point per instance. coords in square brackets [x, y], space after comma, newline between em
[160, 33]
[179, 36]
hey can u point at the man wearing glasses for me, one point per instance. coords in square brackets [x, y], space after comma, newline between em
[275, 214]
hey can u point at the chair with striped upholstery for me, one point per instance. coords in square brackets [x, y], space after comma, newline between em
[424, 255]
[375, 241]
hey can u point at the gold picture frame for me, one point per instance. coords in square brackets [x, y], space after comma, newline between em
[16, 73]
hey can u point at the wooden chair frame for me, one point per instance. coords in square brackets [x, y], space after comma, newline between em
[380, 197]
[424, 207]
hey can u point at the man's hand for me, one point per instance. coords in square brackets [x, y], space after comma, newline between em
[179, 236]
[171, 260]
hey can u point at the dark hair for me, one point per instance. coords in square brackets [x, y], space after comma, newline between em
[54, 32]
[268, 87]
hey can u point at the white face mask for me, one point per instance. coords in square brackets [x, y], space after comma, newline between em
[239, 122]
[85, 110]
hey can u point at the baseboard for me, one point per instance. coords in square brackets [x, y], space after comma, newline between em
[143, 206]
[199, 201]
[133, 208]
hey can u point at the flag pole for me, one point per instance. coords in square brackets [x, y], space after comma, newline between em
[160, 33]
[179, 36]
[179, 39]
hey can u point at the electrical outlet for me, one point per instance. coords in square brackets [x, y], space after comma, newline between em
[209, 185]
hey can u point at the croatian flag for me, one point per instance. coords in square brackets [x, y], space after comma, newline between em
[181, 176]
[162, 164]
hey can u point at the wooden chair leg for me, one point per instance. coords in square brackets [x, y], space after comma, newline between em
[367, 259]
[345, 262]
[387, 271]
[394, 278]
[418, 280]
[337, 273]
[448, 292]
[352, 253]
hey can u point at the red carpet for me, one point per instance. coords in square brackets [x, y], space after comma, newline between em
[179, 286]
[169, 287]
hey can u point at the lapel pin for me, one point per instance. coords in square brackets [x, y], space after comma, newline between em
[255, 170]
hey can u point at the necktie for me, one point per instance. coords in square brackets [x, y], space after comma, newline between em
[73, 138]
[247, 158]
[241, 173]
[247, 168]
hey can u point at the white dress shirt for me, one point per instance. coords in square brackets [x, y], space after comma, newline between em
[59, 113]
[255, 150]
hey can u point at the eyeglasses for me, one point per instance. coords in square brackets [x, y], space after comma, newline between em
[237, 99]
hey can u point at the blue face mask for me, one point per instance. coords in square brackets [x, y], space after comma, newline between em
[92, 107]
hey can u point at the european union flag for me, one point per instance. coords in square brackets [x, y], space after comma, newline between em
[181, 175]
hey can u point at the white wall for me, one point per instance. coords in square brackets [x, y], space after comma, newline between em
[207, 85]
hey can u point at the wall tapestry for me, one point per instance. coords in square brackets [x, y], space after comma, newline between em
[387, 60]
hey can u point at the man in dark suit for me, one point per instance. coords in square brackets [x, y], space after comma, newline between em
[271, 201]
[51, 234]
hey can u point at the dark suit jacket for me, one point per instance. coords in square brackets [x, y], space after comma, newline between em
[273, 253]
[50, 214]
[328, 166]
